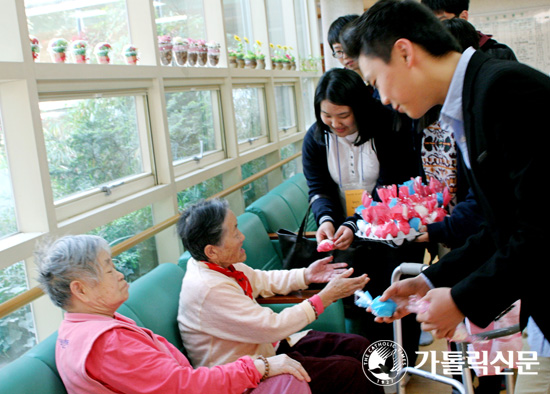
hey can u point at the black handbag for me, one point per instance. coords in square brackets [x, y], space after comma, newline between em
[299, 251]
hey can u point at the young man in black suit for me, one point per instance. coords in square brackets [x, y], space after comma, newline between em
[497, 111]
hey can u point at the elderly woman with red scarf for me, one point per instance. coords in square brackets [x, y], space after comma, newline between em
[220, 320]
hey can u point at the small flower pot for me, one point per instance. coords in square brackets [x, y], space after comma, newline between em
[232, 62]
[260, 64]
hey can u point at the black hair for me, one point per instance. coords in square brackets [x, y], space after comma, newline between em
[345, 87]
[464, 32]
[454, 7]
[200, 225]
[375, 32]
[337, 26]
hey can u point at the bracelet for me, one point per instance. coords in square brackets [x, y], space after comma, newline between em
[266, 373]
[314, 309]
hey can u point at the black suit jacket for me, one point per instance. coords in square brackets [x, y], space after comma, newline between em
[505, 107]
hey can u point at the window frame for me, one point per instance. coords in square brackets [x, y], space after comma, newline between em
[184, 166]
[85, 201]
[264, 138]
[288, 132]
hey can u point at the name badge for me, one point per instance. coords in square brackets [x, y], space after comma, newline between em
[353, 200]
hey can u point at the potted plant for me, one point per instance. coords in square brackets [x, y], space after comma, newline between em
[57, 48]
[180, 49]
[102, 52]
[78, 49]
[250, 59]
[213, 53]
[35, 47]
[130, 54]
[165, 49]
[260, 57]
[232, 58]
[202, 52]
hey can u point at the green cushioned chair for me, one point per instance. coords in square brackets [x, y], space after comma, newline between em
[294, 197]
[300, 180]
[274, 212]
[33, 372]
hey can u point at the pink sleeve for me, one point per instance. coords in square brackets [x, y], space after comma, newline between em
[124, 361]
[317, 303]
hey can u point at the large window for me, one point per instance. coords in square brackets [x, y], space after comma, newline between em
[285, 99]
[194, 122]
[8, 222]
[250, 116]
[17, 330]
[93, 142]
[93, 21]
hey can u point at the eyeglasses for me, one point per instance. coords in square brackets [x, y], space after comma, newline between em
[338, 54]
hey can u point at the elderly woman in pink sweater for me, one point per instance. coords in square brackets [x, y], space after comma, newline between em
[220, 320]
[100, 351]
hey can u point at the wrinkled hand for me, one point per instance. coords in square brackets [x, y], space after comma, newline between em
[442, 315]
[343, 238]
[342, 286]
[400, 293]
[321, 271]
[325, 231]
[283, 364]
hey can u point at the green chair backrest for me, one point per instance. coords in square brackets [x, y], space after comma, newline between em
[274, 212]
[260, 252]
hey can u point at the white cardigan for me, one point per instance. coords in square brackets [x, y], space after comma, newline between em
[219, 323]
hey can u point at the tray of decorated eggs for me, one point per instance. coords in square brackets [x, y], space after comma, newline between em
[402, 212]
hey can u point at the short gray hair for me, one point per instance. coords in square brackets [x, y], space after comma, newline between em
[73, 257]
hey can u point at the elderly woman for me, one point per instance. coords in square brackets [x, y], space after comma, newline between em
[101, 351]
[220, 320]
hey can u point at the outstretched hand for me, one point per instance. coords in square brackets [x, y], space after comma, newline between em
[400, 292]
[342, 285]
[322, 271]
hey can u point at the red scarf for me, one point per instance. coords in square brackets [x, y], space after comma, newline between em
[239, 276]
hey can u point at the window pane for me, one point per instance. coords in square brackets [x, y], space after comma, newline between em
[259, 187]
[94, 21]
[290, 168]
[17, 330]
[285, 101]
[180, 18]
[249, 113]
[302, 29]
[308, 94]
[237, 18]
[201, 191]
[275, 19]
[191, 121]
[140, 259]
[90, 142]
[8, 223]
